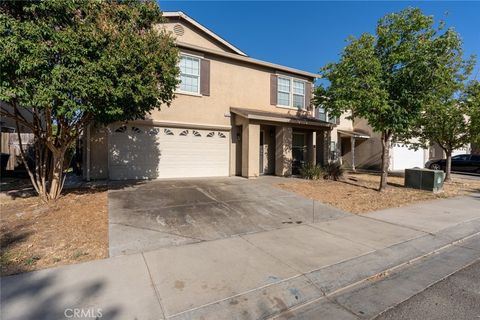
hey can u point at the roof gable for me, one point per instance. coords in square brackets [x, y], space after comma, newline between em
[194, 33]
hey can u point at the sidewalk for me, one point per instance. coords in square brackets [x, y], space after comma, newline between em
[252, 276]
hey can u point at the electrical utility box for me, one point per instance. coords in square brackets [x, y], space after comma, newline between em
[424, 179]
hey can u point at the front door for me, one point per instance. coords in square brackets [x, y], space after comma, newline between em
[298, 152]
[262, 152]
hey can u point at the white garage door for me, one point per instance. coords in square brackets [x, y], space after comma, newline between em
[146, 152]
[403, 158]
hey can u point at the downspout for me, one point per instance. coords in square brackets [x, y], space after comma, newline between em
[88, 153]
[352, 143]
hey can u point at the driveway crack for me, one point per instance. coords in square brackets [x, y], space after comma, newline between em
[157, 294]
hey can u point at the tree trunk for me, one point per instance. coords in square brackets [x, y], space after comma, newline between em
[385, 160]
[46, 174]
[448, 167]
[56, 181]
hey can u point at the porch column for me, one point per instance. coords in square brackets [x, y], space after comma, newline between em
[311, 147]
[327, 136]
[250, 150]
[283, 151]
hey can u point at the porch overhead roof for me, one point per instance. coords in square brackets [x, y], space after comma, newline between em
[298, 119]
[357, 135]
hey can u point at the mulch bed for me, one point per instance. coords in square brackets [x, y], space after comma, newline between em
[35, 235]
[357, 193]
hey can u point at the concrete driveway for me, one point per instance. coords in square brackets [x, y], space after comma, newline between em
[167, 213]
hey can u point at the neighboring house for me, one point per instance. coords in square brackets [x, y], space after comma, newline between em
[8, 124]
[358, 146]
[9, 142]
[232, 115]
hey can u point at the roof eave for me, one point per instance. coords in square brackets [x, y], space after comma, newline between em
[305, 121]
[249, 60]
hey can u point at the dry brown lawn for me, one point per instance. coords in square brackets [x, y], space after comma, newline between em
[35, 235]
[357, 193]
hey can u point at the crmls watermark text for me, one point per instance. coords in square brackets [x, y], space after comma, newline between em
[83, 313]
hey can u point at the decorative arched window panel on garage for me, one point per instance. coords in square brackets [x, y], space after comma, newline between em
[121, 129]
[153, 131]
[136, 130]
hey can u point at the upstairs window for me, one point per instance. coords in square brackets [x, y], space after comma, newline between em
[298, 94]
[283, 92]
[189, 74]
[291, 93]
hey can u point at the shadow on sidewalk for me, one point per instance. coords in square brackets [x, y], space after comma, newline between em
[42, 296]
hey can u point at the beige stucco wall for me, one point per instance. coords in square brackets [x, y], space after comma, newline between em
[232, 84]
[368, 153]
[250, 150]
[345, 124]
[283, 151]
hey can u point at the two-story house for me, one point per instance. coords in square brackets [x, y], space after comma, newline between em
[232, 115]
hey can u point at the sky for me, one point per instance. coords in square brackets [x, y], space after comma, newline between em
[307, 35]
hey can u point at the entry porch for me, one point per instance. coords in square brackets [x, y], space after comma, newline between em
[276, 144]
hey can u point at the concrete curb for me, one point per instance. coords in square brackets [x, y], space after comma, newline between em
[354, 295]
[333, 281]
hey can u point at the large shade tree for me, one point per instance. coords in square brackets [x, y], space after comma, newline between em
[451, 121]
[470, 97]
[386, 77]
[448, 118]
[66, 63]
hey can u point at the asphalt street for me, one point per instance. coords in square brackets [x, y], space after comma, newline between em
[456, 297]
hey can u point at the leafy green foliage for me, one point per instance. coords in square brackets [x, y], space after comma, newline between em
[471, 99]
[311, 171]
[448, 116]
[389, 77]
[333, 171]
[67, 63]
[104, 59]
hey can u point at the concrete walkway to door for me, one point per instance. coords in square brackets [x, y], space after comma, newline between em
[258, 275]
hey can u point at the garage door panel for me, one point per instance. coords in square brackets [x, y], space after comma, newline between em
[404, 157]
[167, 153]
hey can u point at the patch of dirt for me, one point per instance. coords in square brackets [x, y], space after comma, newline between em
[357, 193]
[35, 235]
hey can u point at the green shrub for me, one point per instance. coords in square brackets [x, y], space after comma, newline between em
[333, 171]
[310, 171]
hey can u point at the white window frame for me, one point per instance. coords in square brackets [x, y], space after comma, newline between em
[297, 94]
[198, 93]
[291, 93]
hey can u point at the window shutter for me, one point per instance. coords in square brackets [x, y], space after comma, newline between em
[205, 77]
[308, 95]
[273, 89]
